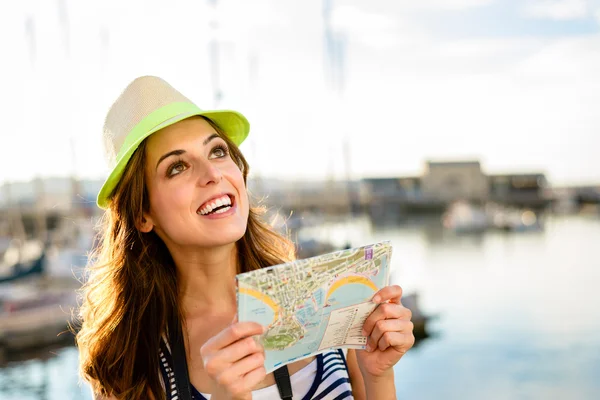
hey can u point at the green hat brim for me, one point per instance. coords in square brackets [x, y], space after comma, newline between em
[234, 124]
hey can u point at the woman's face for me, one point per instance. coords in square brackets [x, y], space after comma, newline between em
[197, 192]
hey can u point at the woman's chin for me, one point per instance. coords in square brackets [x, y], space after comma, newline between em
[223, 237]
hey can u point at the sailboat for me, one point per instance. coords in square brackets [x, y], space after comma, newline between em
[20, 256]
[22, 260]
[33, 311]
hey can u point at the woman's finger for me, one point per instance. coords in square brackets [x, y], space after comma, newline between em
[402, 342]
[240, 349]
[388, 325]
[242, 387]
[232, 334]
[385, 311]
[391, 293]
[252, 378]
[241, 368]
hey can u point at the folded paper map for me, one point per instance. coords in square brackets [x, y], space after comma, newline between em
[315, 304]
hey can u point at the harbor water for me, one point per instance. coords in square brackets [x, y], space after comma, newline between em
[513, 315]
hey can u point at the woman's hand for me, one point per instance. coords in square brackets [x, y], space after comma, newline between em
[389, 334]
[234, 361]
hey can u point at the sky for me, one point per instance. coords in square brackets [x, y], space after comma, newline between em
[512, 83]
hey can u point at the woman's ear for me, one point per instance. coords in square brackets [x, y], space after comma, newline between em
[145, 223]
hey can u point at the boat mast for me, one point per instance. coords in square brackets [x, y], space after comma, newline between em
[335, 60]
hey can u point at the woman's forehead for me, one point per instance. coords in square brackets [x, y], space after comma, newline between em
[183, 133]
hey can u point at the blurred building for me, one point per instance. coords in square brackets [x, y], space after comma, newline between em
[441, 184]
[451, 181]
[60, 193]
[587, 195]
[41, 205]
[445, 182]
[519, 190]
[293, 195]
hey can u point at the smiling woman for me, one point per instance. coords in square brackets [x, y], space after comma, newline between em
[177, 229]
[189, 177]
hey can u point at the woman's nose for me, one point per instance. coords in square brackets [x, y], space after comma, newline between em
[210, 174]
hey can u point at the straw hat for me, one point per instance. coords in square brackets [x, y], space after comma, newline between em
[146, 105]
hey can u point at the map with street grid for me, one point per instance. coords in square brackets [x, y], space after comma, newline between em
[315, 304]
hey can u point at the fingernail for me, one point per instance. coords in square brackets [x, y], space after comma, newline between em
[368, 347]
[376, 299]
[364, 333]
[265, 329]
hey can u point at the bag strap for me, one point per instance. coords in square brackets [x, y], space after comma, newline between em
[284, 385]
[182, 378]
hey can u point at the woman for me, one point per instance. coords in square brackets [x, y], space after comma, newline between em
[178, 227]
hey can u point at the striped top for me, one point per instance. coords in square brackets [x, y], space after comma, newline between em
[325, 378]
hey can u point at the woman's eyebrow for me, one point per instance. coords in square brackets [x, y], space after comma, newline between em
[211, 137]
[169, 154]
[180, 151]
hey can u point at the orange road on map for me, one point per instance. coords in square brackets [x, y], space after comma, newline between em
[348, 280]
[262, 297]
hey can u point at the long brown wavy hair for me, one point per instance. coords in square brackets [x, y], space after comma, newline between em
[130, 294]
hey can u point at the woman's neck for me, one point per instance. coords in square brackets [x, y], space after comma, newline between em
[206, 280]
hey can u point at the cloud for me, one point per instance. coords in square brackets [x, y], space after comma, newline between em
[557, 9]
[511, 103]
[373, 29]
[350, 17]
[450, 4]
[515, 102]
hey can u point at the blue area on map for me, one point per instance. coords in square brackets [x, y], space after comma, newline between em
[258, 311]
[314, 313]
[315, 322]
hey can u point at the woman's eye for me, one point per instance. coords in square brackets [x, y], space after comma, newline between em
[219, 152]
[176, 169]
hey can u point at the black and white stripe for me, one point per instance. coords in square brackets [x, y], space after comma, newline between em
[167, 373]
[334, 382]
[331, 381]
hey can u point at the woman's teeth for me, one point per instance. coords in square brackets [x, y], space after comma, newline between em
[221, 210]
[217, 206]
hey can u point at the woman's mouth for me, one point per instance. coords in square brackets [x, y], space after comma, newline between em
[218, 205]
